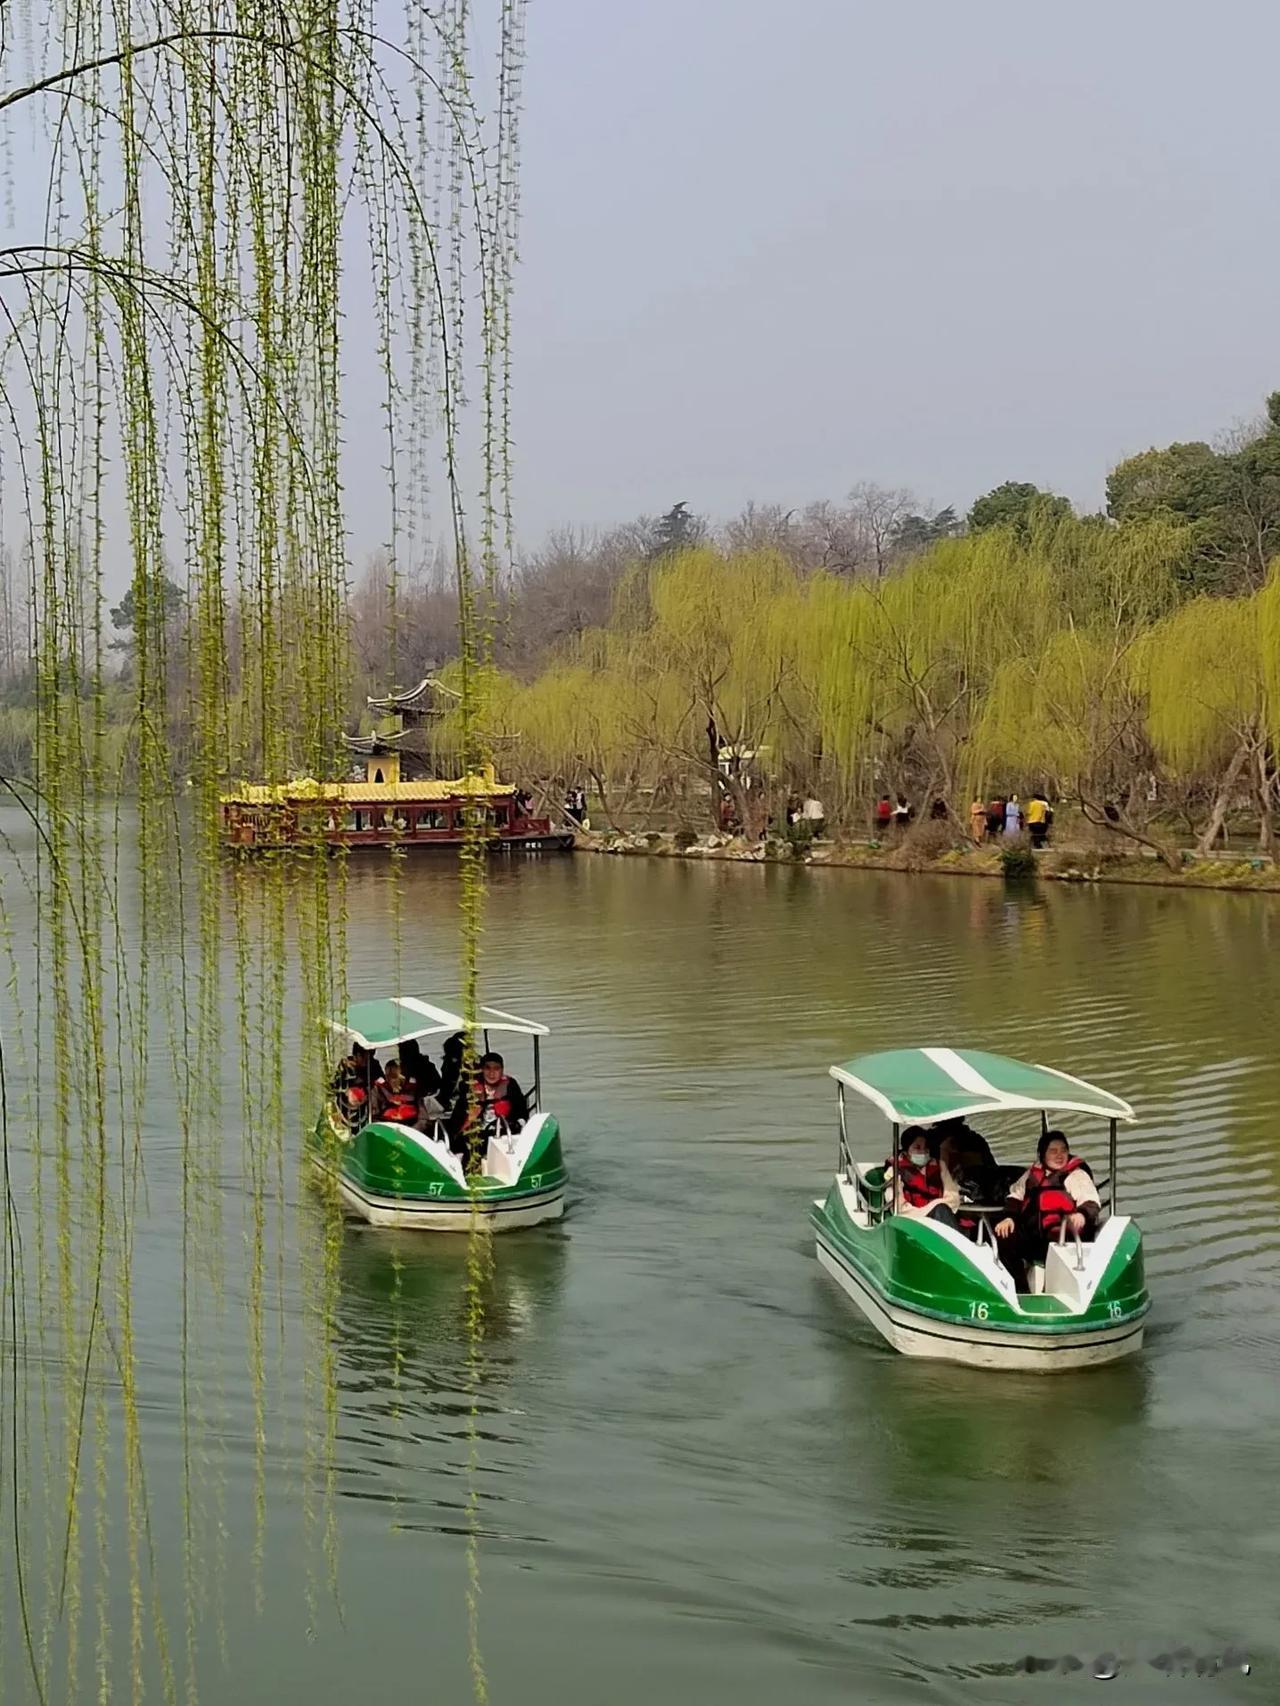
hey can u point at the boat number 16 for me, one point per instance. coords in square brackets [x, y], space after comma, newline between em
[977, 1311]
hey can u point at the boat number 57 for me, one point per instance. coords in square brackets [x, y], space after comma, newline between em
[977, 1311]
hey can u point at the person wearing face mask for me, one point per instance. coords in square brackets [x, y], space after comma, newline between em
[918, 1184]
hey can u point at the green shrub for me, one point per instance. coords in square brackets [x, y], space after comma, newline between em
[1018, 862]
[923, 845]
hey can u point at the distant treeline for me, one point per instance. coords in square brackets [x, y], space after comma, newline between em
[1128, 660]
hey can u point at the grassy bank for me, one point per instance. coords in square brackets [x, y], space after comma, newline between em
[1056, 864]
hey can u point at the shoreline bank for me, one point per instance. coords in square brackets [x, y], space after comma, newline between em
[1253, 875]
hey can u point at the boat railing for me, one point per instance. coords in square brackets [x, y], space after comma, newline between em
[873, 1197]
[1077, 1241]
[986, 1235]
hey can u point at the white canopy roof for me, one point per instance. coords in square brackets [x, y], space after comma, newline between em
[403, 1018]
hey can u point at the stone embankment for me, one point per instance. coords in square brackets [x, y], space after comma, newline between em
[1057, 864]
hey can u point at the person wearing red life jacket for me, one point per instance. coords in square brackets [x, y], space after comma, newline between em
[492, 1099]
[918, 1184]
[352, 1085]
[499, 1096]
[395, 1096]
[1057, 1191]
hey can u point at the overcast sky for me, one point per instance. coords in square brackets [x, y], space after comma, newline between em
[772, 247]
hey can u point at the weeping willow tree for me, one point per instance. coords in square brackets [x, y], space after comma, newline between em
[1202, 672]
[587, 715]
[892, 672]
[1269, 643]
[174, 318]
[1064, 705]
[999, 657]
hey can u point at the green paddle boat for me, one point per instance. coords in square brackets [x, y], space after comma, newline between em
[932, 1290]
[397, 1174]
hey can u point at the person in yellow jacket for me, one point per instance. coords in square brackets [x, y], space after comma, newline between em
[1038, 815]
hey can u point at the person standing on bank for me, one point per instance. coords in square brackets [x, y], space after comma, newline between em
[977, 821]
[1012, 817]
[1038, 818]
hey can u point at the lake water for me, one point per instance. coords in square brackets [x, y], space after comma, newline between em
[698, 1475]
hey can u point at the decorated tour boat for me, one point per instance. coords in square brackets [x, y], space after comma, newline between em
[400, 802]
[933, 1291]
[394, 1174]
[404, 815]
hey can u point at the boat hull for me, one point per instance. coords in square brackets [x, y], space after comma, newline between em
[390, 1175]
[953, 1341]
[552, 841]
[499, 1214]
[930, 1292]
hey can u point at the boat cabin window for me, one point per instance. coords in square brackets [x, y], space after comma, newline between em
[432, 819]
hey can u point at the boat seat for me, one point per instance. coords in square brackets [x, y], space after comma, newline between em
[1008, 1174]
[870, 1182]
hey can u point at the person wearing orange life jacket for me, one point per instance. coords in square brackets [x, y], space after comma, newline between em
[919, 1185]
[1057, 1191]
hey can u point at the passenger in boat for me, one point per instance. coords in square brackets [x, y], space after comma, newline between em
[493, 1097]
[419, 1067]
[352, 1084]
[1058, 1189]
[396, 1097]
[967, 1156]
[451, 1066]
[499, 1097]
[918, 1183]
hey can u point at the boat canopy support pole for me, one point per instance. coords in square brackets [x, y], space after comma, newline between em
[537, 1074]
[843, 1164]
[1111, 1166]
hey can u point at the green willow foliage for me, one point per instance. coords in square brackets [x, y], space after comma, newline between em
[173, 337]
[1058, 654]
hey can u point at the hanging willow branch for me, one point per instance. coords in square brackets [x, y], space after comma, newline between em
[173, 445]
